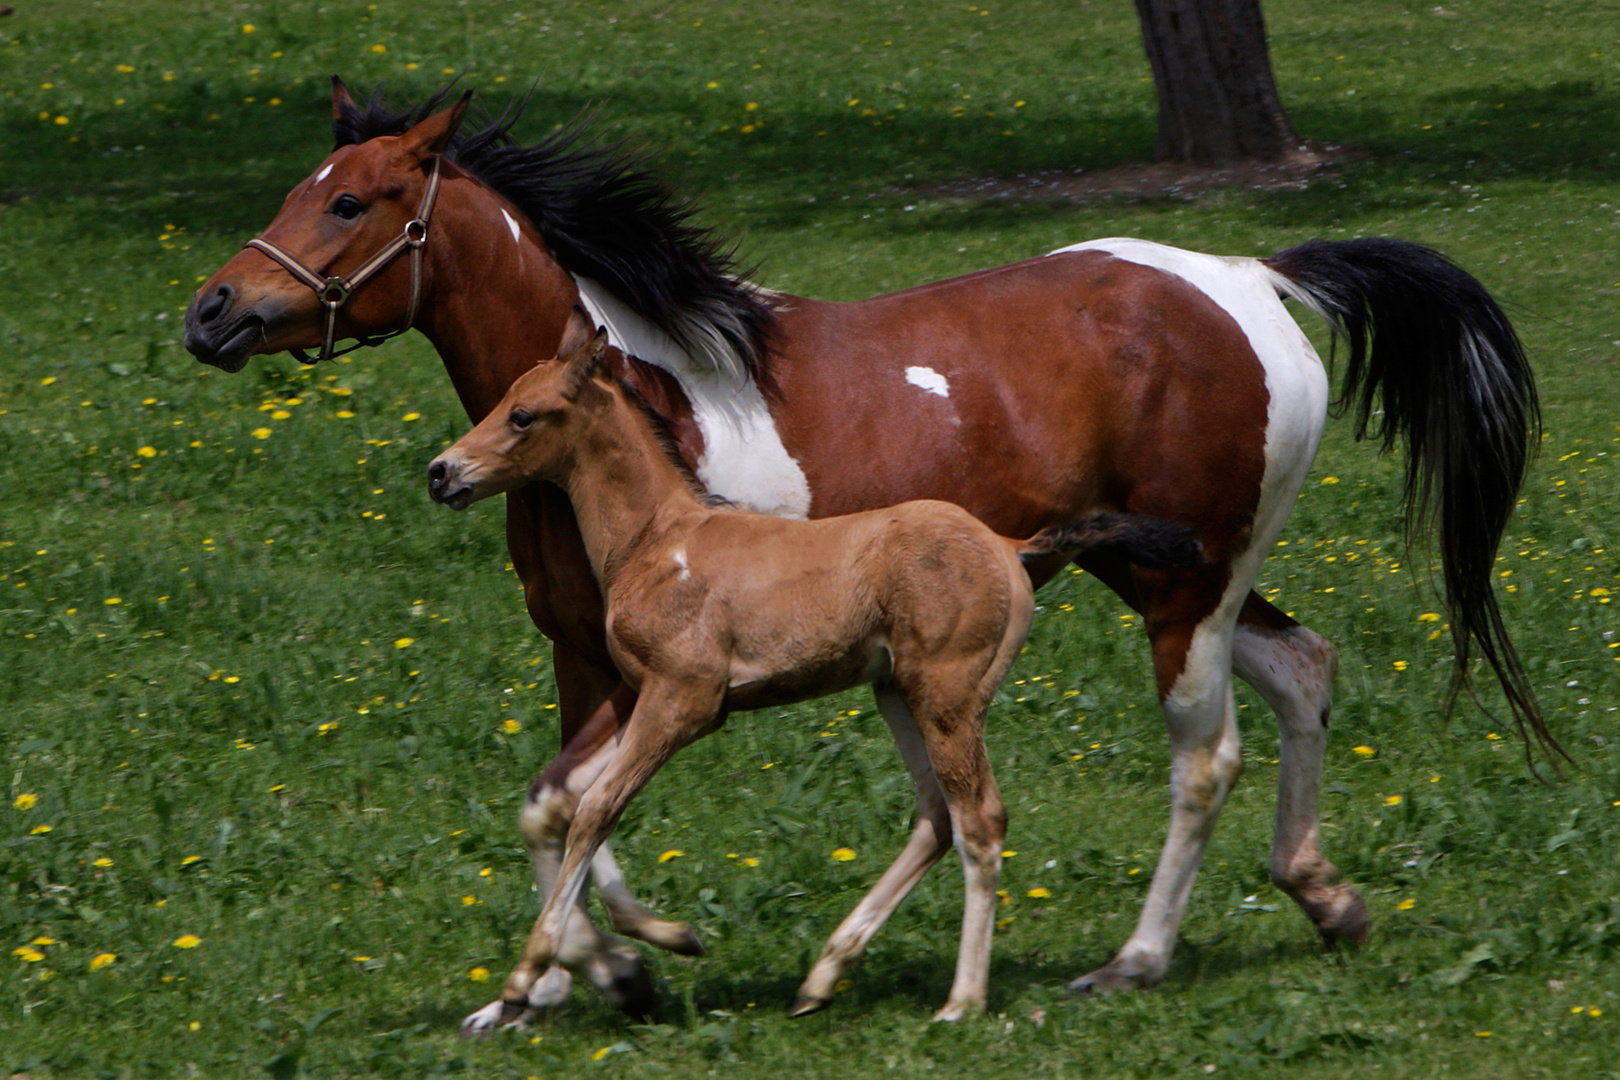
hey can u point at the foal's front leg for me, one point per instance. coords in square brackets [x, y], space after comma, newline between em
[665, 719]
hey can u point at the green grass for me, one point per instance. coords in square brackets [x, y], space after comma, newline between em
[263, 764]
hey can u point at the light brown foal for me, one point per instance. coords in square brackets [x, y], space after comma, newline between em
[713, 610]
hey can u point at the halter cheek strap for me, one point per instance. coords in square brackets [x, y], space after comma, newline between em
[335, 291]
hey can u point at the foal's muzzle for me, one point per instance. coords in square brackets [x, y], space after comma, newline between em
[446, 486]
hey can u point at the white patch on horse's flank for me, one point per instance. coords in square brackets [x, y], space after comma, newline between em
[517, 233]
[743, 456]
[1297, 388]
[928, 379]
[326, 170]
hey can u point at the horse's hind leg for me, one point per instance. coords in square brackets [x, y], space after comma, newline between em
[1192, 659]
[930, 839]
[1292, 667]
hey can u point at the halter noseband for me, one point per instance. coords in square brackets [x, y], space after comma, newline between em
[334, 292]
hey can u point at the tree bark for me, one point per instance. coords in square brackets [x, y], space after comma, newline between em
[1218, 101]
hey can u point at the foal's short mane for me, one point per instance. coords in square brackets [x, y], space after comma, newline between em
[665, 437]
[606, 217]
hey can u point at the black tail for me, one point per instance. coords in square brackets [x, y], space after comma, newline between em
[1150, 542]
[1430, 345]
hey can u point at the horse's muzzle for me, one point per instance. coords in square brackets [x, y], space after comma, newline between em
[214, 335]
[446, 486]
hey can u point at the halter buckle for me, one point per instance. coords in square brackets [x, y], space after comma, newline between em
[416, 232]
[335, 293]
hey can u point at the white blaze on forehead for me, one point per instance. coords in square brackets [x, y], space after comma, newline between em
[517, 233]
[326, 170]
[929, 380]
[743, 456]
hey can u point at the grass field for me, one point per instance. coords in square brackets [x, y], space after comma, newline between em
[269, 714]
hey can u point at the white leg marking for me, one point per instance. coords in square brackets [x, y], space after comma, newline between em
[743, 456]
[928, 379]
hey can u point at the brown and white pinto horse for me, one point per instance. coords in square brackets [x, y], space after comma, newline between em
[1114, 375]
[711, 611]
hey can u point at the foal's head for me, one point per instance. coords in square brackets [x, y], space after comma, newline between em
[348, 210]
[531, 433]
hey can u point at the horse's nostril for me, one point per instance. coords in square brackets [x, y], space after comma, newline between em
[211, 308]
[436, 471]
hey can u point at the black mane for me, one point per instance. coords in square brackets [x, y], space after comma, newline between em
[605, 217]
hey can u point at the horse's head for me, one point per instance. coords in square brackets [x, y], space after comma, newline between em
[530, 434]
[354, 206]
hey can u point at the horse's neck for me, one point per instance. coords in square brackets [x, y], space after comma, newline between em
[623, 486]
[499, 300]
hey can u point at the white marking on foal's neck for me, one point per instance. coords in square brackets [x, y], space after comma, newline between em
[517, 233]
[929, 380]
[743, 456]
[326, 171]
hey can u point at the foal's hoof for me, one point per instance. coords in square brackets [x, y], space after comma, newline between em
[805, 1004]
[622, 977]
[1111, 978]
[675, 937]
[497, 1014]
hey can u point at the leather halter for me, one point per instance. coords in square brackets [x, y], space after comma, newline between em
[333, 292]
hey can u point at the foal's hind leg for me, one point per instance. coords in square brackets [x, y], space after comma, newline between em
[1292, 667]
[930, 839]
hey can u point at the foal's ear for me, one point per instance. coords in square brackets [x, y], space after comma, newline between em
[341, 98]
[577, 334]
[584, 364]
[431, 136]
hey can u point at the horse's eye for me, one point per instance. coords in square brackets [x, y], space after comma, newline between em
[521, 418]
[347, 207]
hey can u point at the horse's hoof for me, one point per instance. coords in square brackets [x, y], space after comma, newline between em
[1342, 918]
[1111, 978]
[956, 1010]
[622, 977]
[675, 937]
[497, 1014]
[805, 1004]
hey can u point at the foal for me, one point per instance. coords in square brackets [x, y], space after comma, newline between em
[711, 610]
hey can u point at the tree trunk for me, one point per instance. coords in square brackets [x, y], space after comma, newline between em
[1218, 102]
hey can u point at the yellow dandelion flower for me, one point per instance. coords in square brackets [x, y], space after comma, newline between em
[412, 416]
[1594, 1012]
[195, 1025]
[125, 68]
[1577, 1009]
[28, 955]
[602, 1053]
[511, 727]
[248, 28]
[1482, 1034]
[468, 901]
[1008, 853]
[61, 120]
[486, 872]
[359, 959]
[187, 941]
[379, 48]
[1406, 905]
[280, 414]
[101, 960]
[403, 643]
[479, 974]
[1398, 665]
[39, 830]
[147, 451]
[260, 433]
[1429, 616]
[25, 801]
[843, 985]
[102, 863]
[189, 859]
[1330, 479]
[843, 854]
[672, 853]
[750, 861]
[1038, 893]
[1364, 751]
[1392, 800]
[43, 940]
[112, 601]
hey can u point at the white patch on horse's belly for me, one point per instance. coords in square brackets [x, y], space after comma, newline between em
[517, 233]
[743, 456]
[928, 379]
[325, 172]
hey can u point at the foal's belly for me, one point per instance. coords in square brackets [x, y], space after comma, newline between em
[761, 682]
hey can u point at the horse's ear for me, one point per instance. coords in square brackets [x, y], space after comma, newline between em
[577, 334]
[341, 98]
[432, 135]
[584, 364]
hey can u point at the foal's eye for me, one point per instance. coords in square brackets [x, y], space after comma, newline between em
[521, 418]
[347, 207]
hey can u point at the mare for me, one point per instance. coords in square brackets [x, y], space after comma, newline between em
[1113, 375]
[712, 611]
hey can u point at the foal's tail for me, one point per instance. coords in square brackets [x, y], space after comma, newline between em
[1146, 541]
[1431, 347]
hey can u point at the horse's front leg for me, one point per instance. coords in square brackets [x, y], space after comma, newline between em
[661, 723]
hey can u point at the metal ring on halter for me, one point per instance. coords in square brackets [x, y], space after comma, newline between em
[334, 291]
